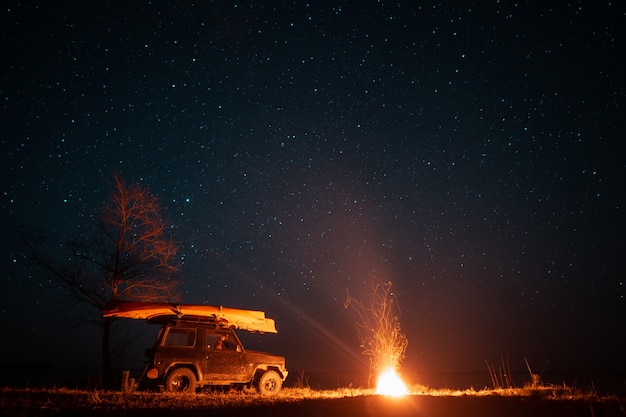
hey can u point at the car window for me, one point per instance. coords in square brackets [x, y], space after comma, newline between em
[180, 337]
[220, 341]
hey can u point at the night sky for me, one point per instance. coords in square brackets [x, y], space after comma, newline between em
[472, 154]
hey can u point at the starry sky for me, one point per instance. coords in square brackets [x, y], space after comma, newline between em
[468, 152]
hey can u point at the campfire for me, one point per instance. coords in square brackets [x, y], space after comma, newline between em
[391, 384]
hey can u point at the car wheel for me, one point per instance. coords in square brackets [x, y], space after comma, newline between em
[270, 383]
[181, 380]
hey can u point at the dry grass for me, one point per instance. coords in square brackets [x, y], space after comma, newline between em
[547, 392]
[59, 399]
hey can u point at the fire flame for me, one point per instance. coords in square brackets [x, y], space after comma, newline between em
[390, 383]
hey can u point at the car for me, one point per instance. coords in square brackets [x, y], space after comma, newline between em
[189, 355]
[197, 347]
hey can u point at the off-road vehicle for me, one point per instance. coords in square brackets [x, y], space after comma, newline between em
[192, 354]
[197, 347]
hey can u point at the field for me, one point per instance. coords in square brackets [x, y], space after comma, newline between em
[303, 402]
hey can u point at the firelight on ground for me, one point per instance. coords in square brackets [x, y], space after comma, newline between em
[390, 383]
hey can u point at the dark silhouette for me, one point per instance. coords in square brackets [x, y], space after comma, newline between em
[131, 256]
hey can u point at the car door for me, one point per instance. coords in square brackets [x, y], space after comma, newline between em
[224, 361]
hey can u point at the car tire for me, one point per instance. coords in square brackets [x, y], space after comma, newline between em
[269, 383]
[181, 380]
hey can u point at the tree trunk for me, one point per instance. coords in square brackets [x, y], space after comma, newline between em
[107, 370]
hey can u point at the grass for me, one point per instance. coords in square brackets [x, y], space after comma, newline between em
[59, 399]
[548, 392]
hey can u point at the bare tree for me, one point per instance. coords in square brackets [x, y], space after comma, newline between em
[131, 256]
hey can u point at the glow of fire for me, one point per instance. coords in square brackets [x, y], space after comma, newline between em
[390, 383]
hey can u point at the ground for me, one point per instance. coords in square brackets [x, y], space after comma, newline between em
[303, 403]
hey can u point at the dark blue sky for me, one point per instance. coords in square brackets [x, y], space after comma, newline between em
[470, 154]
